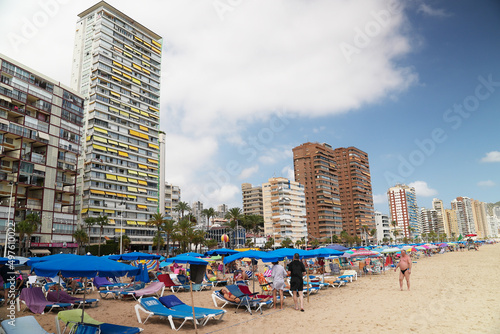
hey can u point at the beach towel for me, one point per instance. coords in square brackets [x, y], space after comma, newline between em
[35, 299]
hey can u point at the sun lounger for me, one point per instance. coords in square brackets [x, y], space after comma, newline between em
[174, 303]
[23, 325]
[245, 301]
[246, 290]
[196, 287]
[116, 293]
[64, 297]
[152, 307]
[152, 289]
[102, 282]
[167, 281]
[35, 300]
[73, 317]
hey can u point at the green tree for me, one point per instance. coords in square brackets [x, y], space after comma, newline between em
[208, 213]
[101, 221]
[158, 241]
[211, 243]
[254, 223]
[81, 238]
[184, 228]
[168, 227]
[157, 221]
[126, 241]
[197, 238]
[26, 228]
[299, 243]
[395, 233]
[365, 229]
[335, 239]
[385, 240]
[287, 243]
[182, 207]
[89, 222]
[345, 236]
[234, 216]
[269, 243]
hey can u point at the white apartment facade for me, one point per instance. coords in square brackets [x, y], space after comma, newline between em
[383, 227]
[116, 67]
[284, 210]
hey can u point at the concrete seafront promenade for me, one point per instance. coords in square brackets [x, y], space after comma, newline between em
[451, 292]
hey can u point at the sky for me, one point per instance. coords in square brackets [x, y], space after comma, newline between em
[415, 84]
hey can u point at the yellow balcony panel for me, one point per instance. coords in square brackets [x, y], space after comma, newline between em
[137, 67]
[152, 199]
[128, 47]
[145, 71]
[140, 206]
[123, 154]
[154, 109]
[112, 150]
[153, 146]
[142, 174]
[110, 193]
[141, 190]
[115, 94]
[135, 110]
[131, 222]
[100, 130]
[116, 71]
[117, 64]
[156, 43]
[134, 116]
[127, 68]
[109, 211]
[142, 182]
[85, 210]
[117, 79]
[120, 230]
[133, 148]
[95, 210]
[111, 177]
[134, 189]
[142, 166]
[155, 116]
[131, 180]
[142, 127]
[114, 109]
[100, 139]
[122, 145]
[145, 64]
[127, 76]
[143, 113]
[99, 192]
[147, 44]
[141, 223]
[153, 161]
[132, 196]
[132, 172]
[156, 50]
[99, 147]
[137, 38]
[122, 179]
[146, 57]
[136, 81]
[111, 221]
[121, 195]
[123, 113]
[127, 54]
[152, 175]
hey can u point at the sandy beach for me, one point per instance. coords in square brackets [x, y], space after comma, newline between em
[457, 291]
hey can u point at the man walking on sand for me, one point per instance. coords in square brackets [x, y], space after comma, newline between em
[296, 270]
[278, 274]
[405, 269]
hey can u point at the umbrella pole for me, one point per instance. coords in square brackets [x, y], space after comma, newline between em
[84, 291]
[192, 303]
[307, 277]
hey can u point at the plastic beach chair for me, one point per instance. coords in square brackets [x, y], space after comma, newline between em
[152, 307]
[153, 289]
[174, 303]
[72, 318]
[64, 297]
[35, 300]
[23, 325]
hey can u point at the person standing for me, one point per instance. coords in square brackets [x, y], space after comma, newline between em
[296, 270]
[278, 274]
[405, 269]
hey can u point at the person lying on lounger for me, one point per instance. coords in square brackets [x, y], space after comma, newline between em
[229, 296]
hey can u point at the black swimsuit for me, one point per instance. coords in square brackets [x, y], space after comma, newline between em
[403, 271]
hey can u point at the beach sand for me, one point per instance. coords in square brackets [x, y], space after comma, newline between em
[451, 292]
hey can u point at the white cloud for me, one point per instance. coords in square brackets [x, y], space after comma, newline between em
[288, 172]
[247, 172]
[422, 189]
[487, 183]
[493, 156]
[317, 130]
[379, 198]
[428, 10]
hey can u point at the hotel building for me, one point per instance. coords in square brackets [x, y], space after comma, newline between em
[355, 189]
[40, 133]
[284, 210]
[404, 211]
[252, 200]
[315, 168]
[465, 219]
[172, 198]
[116, 67]
[443, 225]
[383, 227]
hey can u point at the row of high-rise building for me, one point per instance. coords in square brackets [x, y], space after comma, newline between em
[465, 217]
[331, 193]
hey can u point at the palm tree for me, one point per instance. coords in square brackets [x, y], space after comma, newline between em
[182, 207]
[184, 227]
[168, 227]
[365, 230]
[314, 243]
[211, 243]
[157, 220]
[158, 241]
[198, 236]
[81, 238]
[209, 213]
[125, 241]
[298, 243]
[89, 222]
[396, 233]
[269, 243]
[253, 223]
[234, 216]
[101, 221]
[27, 227]
[344, 236]
[287, 243]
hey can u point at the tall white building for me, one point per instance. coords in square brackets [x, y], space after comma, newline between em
[443, 225]
[404, 211]
[383, 227]
[284, 210]
[465, 218]
[172, 198]
[429, 221]
[196, 211]
[116, 67]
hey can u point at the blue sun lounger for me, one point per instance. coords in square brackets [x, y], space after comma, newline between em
[174, 303]
[23, 325]
[152, 306]
[72, 318]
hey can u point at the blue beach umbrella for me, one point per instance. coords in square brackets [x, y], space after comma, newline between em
[184, 259]
[5, 260]
[33, 260]
[324, 252]
[221, 251]
[192, 254]
[134, 256]
[251, 254]
[143, 275]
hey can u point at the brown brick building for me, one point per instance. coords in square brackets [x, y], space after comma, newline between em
[315, 168]
[355, 190]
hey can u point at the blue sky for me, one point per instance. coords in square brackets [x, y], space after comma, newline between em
[244, 82]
